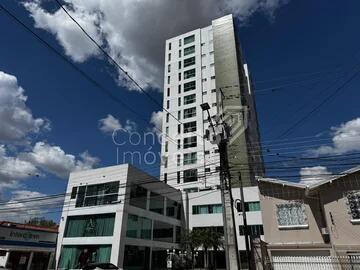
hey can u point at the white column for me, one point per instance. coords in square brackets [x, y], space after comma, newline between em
[30, 261]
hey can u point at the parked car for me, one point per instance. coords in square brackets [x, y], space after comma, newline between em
[101, 266]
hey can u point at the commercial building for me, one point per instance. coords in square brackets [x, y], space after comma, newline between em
[26, 247]
[121, 215]
[321, 219]
[206, 66]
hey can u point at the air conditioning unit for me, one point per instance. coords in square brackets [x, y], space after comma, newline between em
[324, 231]
[325, 234]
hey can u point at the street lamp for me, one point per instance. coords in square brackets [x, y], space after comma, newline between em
[206, 107]
[195, 256]
[170, 254]
[184, 259]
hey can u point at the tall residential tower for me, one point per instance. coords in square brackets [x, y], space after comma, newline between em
[206, 66]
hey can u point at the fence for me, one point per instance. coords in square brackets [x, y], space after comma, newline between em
[351, 262]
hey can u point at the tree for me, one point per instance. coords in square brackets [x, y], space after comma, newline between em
[206, 238]
[42, 222]
[211, 239]
[216, 241]
[192, 240]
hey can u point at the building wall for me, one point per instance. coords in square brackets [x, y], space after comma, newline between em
[344, 233]
[236, 103]
[83, 178]
[229, 87]
[205, 86]
[19, 243]
[218, 65]
[273, 194]
[127, 176]
[216, 220]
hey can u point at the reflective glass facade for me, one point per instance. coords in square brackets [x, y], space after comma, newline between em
[207, 209]
[138, 196]
[73, 257]
[156, 203]
[100, 194]
[163, 232]
[138, 227]
[90, 225]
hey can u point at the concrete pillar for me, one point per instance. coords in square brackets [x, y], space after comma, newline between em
[30, 261]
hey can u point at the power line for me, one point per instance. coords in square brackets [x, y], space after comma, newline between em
[67, 204]
[58, 196]
[273, 89]
[55, 196]
[308, 99]
[314, 110]
[298, 75]
[79, 70]
[124, 185]
[112, 60]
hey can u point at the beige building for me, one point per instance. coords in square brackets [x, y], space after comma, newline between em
[321, 219]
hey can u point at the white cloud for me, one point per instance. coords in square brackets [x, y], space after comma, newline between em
[54, 160]
[23, 206]
[311, 175]
[109, 124]
[156, 121]
[86, 162]
[243, 9]
[130, 126]
[346, 138]
[76, 45]
[17, 124]
[134, 33]
[16, 119]
[13, 169]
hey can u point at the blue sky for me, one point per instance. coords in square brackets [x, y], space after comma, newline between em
[306, 47]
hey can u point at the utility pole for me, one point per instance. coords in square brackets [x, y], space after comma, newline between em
[246, 231]
[220, 137]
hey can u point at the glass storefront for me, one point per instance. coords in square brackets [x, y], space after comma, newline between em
[20, 260]
[40, 261]
[77, 256]
[136, 258]
[90, 225]
[163, 232]
[138, 227]
[158, 259]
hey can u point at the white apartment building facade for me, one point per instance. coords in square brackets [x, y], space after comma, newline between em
[189, 82]
[204, 210]
[194, 76]
[205, 66]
